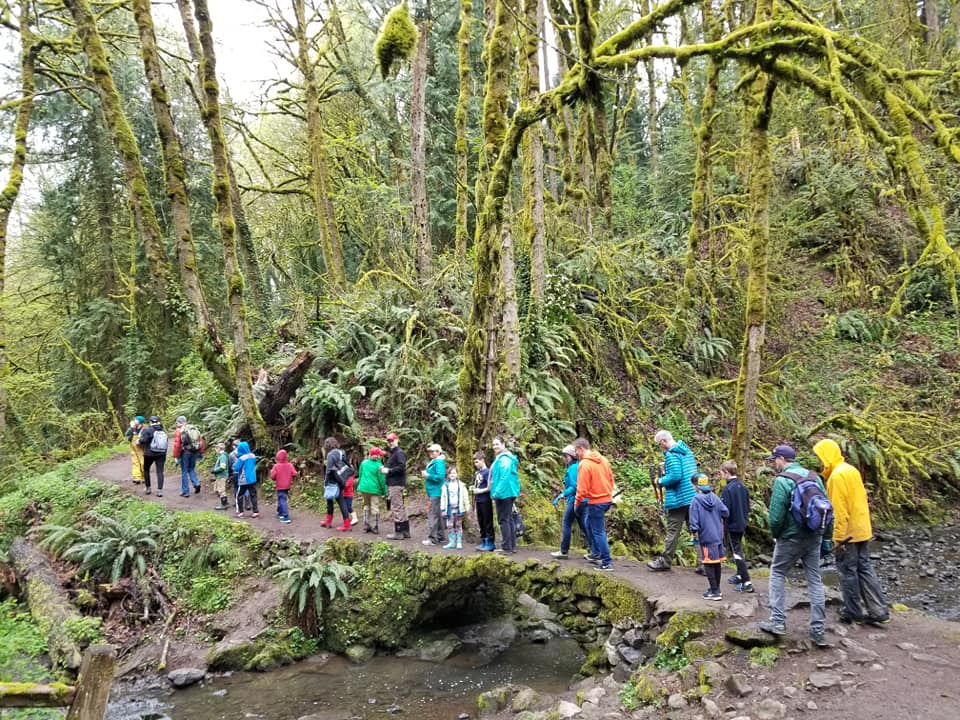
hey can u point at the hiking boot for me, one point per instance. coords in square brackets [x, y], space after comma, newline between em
[819, 640]
[769, 626]
[735, 580]
[746, 587]
[877, 622]
[847, 619]
[159, 493]
[712, 595]
[658, 565]
[559, 554]
[196, 489]
[147, 491]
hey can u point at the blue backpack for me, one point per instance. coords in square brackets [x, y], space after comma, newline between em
[809, 505]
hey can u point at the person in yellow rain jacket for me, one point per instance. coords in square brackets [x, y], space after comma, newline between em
[863, 598]
[136, 449]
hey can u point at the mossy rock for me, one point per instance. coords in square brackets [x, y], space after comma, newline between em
[495, 701]
[686, 625]
[704, 649]
[595, 663]
[622, 601]
[763, 657]
[647, 688]
[750, 636]
[261, 654]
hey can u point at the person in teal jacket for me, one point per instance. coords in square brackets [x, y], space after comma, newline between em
[570, 512]
[504, 490]
[679, 467]
[435, 475]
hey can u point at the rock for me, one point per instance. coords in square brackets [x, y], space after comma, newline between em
[534, 608]
[540, 636]
[876, 667]
[430, 650]
[393, 709]
[567, 709]
[770, 709]
[927, 658]
[621, 673]
[676, 702]
[594, 695]
[634, 638]
[463, 716]
[184, 677]
[811, 705]
[789, 691]
[588, 606]
[711, 673]
[737, 685]
[493, 637]
[494, 701]
[710, 707]
[359, 654]
[630, 655]
[525, 699]
[824, 680]
[219, 693]
[744, 609]
[613, 656]
[749, 636]
[857, 652]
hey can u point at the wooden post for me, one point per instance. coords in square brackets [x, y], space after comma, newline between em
[93, 684]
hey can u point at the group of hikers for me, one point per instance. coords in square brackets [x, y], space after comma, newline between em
[807, 512]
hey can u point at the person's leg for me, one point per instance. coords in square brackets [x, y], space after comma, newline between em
[568, 517]
[597, 513]
[485, 511]
[874, 599]
[147, 464]
[508, 530]
[439, 526]
[675, 520]
[252, 491]
[846, 558]
[238, 497]
[344, 509]
[736, 547]
[396, 504]
[159, 462]
[810, 554]
[190, 460]
[184, 474]
[785, 556]
[283, 508]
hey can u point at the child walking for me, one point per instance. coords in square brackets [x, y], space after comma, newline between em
[246, 469]
[707, 513]
[282, 475]
[737, 499]
[454, 503]
[481, 497]
[220, 471]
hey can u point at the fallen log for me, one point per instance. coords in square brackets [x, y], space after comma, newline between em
[25, 695]
[279, 393]
[48, 602]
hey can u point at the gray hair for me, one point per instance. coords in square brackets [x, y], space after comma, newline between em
[663, 435]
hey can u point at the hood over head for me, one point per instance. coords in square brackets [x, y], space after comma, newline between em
[592, 456]
[243, 448]
[680, 447]
[281, 456]
[830, 455]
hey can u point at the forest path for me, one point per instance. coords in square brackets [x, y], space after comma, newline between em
[903, 670]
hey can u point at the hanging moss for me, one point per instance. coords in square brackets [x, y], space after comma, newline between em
[397, 39]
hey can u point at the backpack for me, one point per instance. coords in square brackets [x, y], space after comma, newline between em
[158, 443]
[808, 503]
[345, 471]
[190, 439]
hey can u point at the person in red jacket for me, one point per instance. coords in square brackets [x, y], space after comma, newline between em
[282, 475]
[595, 488]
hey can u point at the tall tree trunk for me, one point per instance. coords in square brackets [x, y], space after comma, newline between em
[330, 242]
[126, 142]
[204, 330]
[227, 225]
[511, 314]
[461, 143]
[418, 148]
[758, 102]
[930, 17]
[533, 158]
[28, 56]
[103, 176]
[652, 135]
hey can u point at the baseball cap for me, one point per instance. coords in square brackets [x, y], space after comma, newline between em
[570, 450]
[376, 452]
[182, 420]
[783, 451]
[391, 437]
[702, 481]
[154, 419]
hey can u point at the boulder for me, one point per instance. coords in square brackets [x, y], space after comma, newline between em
[770, 709]
[588, 606]
[824, 680]
[676, 702]
[495, 701]
[525, 699]
[534, 608]
[750, 636]
[710, 707]
[359, 654]
[744, 609]
[540, 636]
[711, 673]
[594, 695]
[183, 677]
[737, 685]
[492, 637]
[631, 655]
[567, 709]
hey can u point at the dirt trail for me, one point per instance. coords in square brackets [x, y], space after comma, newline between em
[912, 674]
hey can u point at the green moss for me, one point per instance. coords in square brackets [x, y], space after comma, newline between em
[595, 663]
[267, 652]
[703, 649]
[621, 601]
[685, 625]
[761, 657]
[397, 39]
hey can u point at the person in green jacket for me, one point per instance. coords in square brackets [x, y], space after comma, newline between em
[372, 485]
[793, 542]
[435, 475]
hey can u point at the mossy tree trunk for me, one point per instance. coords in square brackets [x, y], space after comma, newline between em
[534, 220]
[204, 330]
[227, 226]
[141, 204]
[460, 120]
[11, 191]
[418, 147]
[653, 138]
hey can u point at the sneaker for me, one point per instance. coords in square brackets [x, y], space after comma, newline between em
[819, 640]
[239, 515]
[877, 622]
[847, 619]
[255, 515]
[769, 626]
[285, 520]
[427, 542]
[658, 565]
[184, 494]
[746, 587]
[500, 551]
[159, 493]
[590, 558]
[559, 554]
[712, 595]
[196, 489]
[606, 567]
[147, 491]
[735, 580]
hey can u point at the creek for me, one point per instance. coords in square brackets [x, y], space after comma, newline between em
[329, 687]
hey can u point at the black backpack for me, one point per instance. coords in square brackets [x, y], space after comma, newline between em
[809, 505]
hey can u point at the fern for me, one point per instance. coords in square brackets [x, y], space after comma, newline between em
[307, 581]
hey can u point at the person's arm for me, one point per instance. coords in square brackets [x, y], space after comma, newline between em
[693, 518]
[724, 511]
[398, 466]
[273, 472]
[779, 506]
[672, 470]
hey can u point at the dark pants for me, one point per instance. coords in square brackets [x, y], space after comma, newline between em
[436, 526]
[508, 529]
[736, 545]
[247, 491]
[570, 515]
[713, 571]
[342, 504]
[859, 582]
[597, 512]
[485, 518]
[348, 501]
[188, 471]
[283, 510]
[156, 461]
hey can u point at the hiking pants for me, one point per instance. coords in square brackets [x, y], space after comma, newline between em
[436, 527]
[786, 553]
[397, 511]
[249, 491]
[570, 515]
[736, 547]
[858, 581]
[597, 512]
[283, 509]
[485, 518]
[676, 517]
[156, 461]
[188, 471]
[508, 528]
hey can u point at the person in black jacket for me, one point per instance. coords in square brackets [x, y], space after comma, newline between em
[153, 455]
[396, 471]
[737, 499]
[335, 459]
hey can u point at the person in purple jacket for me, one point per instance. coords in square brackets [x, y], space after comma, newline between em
[737, 499]
[707, 513]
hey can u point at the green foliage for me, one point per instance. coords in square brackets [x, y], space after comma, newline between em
[763, 657]
[710, 352]
[397, 39]
[672, 657]
[85, 630]
[307, 581]
[210, 593]
[23, 642]
[863, 327]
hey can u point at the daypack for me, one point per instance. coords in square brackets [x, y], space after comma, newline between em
[158, 443]
[190, 439]
[809, 505]
[345, 471]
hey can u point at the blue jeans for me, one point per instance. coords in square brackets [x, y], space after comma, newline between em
[188, 472]
[785, 555]
[569, 515]
[282, 509]
[596, 522]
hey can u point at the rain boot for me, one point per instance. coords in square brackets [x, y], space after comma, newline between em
[459, 541]
[451, 541]
[376, 524]
[346, 524]
[327, 521]
[406, 529]
[366, 521]
[223, 503]
[397, 533]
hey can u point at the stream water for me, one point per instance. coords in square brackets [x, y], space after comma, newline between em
[384, 687]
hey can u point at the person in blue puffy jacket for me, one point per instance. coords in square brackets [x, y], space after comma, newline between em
[571, 512]
[246, 470]
[679, 467]
[504, 491]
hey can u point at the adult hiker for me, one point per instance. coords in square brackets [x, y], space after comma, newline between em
[434, 477]
[153, 440]
[395, 470]
[679, 467]
[188, 447]
[595, 488]
[246, 470]
[863, 598]
[334, 479]
[504, 491]
[794, 542]
[737, 499]
[571, 513]
[372, 485]
[132, 435]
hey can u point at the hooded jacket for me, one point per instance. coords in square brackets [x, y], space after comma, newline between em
[707, 512]
[336, 459]
[504, 478]
[396, 467]
[246, 465]
[594, 479]
[146, 437]
[851, 511]
[283, 472]
[370, 479]
[570, 481]
[679, 466]
[779, 518]
[436, 475]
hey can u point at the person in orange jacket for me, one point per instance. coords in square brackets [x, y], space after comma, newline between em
[595, 488]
